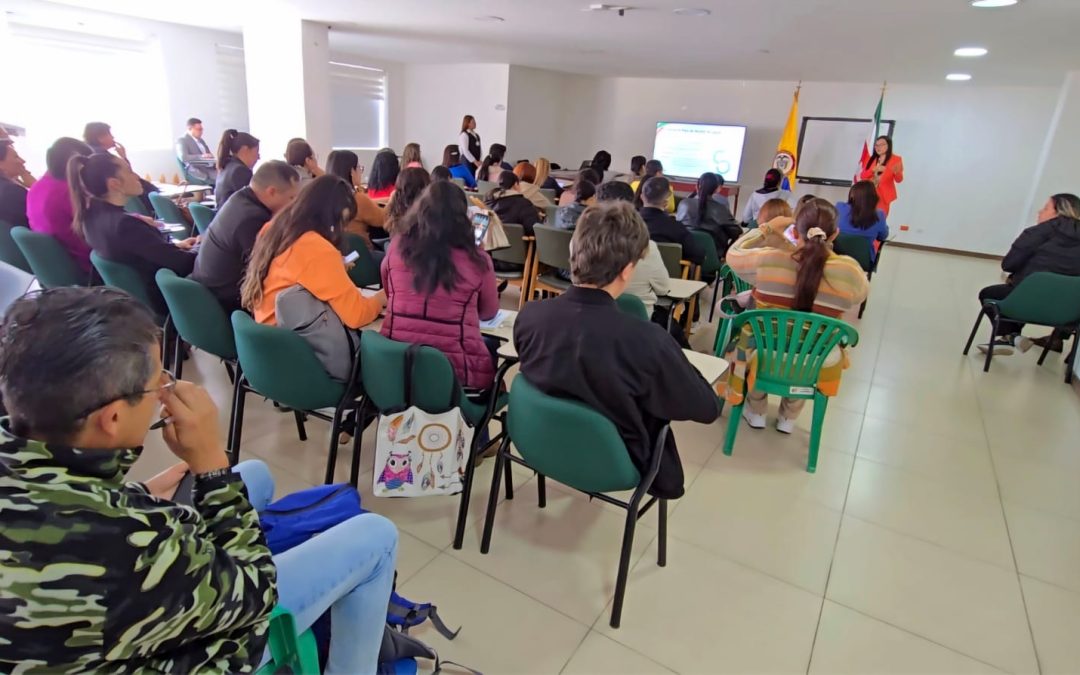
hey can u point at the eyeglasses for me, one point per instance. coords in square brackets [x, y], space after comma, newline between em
[170, 382]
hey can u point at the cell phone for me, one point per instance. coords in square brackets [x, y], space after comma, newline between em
[352, 257]
[185, 491]
[480, 221]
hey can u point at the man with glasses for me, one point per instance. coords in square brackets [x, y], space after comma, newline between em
[101, 575]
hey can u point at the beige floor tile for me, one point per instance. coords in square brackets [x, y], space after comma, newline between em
[1055, 616]
[967, 605]
[919, 405]
[1047, 546]
[730, 619]
[502, 630]
[963, 522]
[599, 655]
[565, 555]
[1040, 485]
[850, 642]
[698, 442]
[412, 556]
[1038, 439]
[853, 394]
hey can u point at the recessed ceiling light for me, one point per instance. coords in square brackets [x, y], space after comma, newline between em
[691, 11]
[958, 77]
[993, 3]
[491, 18]
[971, 51]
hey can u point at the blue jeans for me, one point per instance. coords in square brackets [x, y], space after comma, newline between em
[349, 569]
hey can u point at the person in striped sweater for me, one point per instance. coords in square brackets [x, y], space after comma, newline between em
[801, 273]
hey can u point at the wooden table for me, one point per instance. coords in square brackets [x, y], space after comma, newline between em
[173, 191]
[682, 291]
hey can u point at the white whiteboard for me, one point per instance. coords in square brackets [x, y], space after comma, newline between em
[829, 148]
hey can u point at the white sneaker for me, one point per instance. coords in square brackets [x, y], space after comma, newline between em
[754, 420]
[1003, 346]
[784, 425]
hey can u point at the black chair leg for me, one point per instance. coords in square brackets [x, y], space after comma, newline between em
[166, 344]
[335, 429]
[541, 490]
[1070, 360]
[974, 330]
[300, 430]
[990, 347]
[178, 358]
[1045, 351]
[493, 497]
[716, 297]
[624, 563]
[230, 372]
[237, 388]
[862, 308]
[466, 490]
[354, 472]
[238, 416]
[661, 539]
[508, 471]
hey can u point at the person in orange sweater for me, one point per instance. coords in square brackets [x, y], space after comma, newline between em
[886, 170]
[302, 245]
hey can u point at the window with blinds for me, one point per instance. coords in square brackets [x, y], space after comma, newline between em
[231, 82]
[357, 105]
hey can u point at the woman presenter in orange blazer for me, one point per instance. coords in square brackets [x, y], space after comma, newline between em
[886, 170]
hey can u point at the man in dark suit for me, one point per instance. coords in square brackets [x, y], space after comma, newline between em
[196, 156]
[580, 345]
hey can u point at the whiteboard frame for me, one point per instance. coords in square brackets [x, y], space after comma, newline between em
[816, 180]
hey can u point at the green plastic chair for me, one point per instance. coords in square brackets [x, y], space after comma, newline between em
[862, 250]
[791, 348]
[298, 654]
[9, 250]
[49, 260]
[1043, 299]
[435, 389]
[135, 205]
[711, 265]
[124, 277]
[632, 305]
[672, 256]
[575, 445]
[279, 364]
[366, 271]
[203, 215]
[552, 250]
[519, 254]
[549, 215]
[731, 283]
[483, 187]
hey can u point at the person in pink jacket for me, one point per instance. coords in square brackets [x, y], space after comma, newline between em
[439, 284]
[48, 204]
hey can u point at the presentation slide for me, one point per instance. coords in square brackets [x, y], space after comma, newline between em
[689, 150]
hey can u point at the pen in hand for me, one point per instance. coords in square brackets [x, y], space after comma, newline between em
[161, 423]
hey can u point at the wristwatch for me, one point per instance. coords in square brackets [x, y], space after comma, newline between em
[211, 475]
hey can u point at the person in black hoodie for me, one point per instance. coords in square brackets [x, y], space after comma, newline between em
[225, 250]
[663, 228]
[1053, 245]
[510, 205]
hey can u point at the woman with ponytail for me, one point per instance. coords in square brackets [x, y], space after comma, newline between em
[806, 276]
[700, 211]
[494, 164]
[100, 187]
[237, 154]
[770, 189]
[653, 168]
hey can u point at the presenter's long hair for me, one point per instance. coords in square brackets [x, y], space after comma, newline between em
[863, 199]
[873, 155]
[814, 252]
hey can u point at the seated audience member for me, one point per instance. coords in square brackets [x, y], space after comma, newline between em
[1052, 245]
[718, 196]
[510, 205]
[700, 211]
[807, 277]
[370, 220]
[237, 153]
[440, 284]
[12, 188]
[663, 228]
[566, 217]
[650, 280]
[590, 363]
[494, 164]
[778, 215]
[569, 195]
[601, 164]
[48, 204]
[384, 173]
[544, 179]
[100, 186]
[451, 159]
[860, 215]
[301, 157]
[528, 185]
[82, 381]
[410, 157]
[637, 167]
[411, 183]
[653, 168]
[195, 154]
[770, 190]
[302, 245]
[99, 136]
[441, 173]
[802, 200]
[225, 250]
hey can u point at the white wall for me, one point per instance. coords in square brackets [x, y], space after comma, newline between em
[1057, 169]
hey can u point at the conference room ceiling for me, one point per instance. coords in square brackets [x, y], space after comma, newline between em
[1032, 43]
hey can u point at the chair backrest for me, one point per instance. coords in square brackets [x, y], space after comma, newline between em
[203, 215]
[9, 251]
[382, 368]
[1046, 299]
[632, 305]
[49, 260]
[124, 277]
[483, 187]
[197, 314]
[857, 246]
[791, 347]
[548, 192]
[166, 209]
[550, 213]
[281, 365]
[190, 177]
[288, 651]
[136, 205]
[732, 282]
[553, 246]
[568, 441]
[711, 264]
[518, 250]
[365, 272]
[672, 255]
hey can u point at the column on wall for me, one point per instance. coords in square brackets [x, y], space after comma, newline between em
[1056, 170]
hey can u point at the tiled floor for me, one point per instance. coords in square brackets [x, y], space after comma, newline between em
[940, 534]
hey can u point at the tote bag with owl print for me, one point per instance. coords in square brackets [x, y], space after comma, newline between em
[418, 453]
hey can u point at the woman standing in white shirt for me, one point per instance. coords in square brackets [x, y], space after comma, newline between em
[469, 143]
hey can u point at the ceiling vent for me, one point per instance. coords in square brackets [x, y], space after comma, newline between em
[601, 7]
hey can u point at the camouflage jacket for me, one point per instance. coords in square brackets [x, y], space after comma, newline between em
[98, 575]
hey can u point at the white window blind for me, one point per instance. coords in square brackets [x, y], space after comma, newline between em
[357, 105]
[232, 87]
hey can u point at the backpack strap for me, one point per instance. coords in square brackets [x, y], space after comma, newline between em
[410, 358]
[404, 614]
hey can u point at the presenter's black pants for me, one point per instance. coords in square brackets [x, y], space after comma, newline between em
[1000, 292]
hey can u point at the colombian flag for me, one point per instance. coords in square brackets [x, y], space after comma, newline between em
[786, 160]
